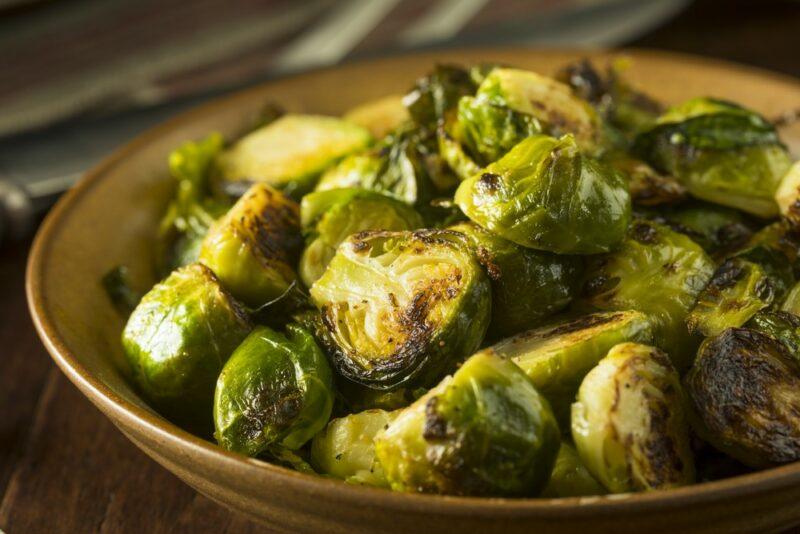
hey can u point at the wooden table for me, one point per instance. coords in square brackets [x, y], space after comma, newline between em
[65, 468]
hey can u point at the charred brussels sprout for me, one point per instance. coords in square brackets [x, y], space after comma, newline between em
[544, 194]
[556, 358]
[329, 217]
[550, 102]
[736, 292]
[274, 390]
[656, 271]
[381, 116]
[254, 247]
[570, 478]
[177, 340]
[346, 448]
[289, 153]
[527, 285]
[485, 431]
[723, 153]
[744, 396]
[402, 308]
[629, 423]
[788, 195]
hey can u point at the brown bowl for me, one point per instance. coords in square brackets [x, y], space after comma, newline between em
[110, 219]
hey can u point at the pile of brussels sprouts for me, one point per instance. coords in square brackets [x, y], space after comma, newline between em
[498, 284]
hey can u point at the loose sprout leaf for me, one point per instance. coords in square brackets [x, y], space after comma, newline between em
[791, 303]
[570, 478]
[436, 94]
[484, 431]
[402, 307]
[629, 423]
[780, 325]
[118, 286]
[545, 194]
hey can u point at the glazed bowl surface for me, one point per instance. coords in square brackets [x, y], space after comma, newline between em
[110, 219]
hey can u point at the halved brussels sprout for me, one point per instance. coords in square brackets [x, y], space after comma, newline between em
[744, 395]
[488, 130]
[380, 116]
[656, 271]
[329, 217]
[791, 303]
[547, 100]
[275, 389]
[291, 152]
[437, 93]
[402, 308]
[629, 423]
[780, 325]
[736, 292]
[719, 230]
[254, 247]
[177, 340]
[570, 478]
[483, 431]
[346, 448]
[527, 285]
[647, 187]
[722, 152]
[556, 358]
[545, 194]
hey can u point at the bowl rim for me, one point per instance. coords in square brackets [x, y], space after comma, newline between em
[149, 423]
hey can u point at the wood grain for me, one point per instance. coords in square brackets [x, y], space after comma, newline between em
[65, 468]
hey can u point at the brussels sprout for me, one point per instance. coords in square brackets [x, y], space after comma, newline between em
[177, 340]
[357, 170]
[484, 431]
[629, 423]
[556, 358]
[454, 155]
[743, 391]
[527, 285]
[545, 194]
[570, 478]
[788, 194]
[647, 187]
[723, 153]
[253, 248]
[736, 292]
[291, 152]
[545, 99]
[346, 448]
[776, 248]
[331, 216]
[380, 116]
[488, 130]
[791, 303]
[656, 271]
[717, 229]
[779, 325]
[435, 94]
[402, 308]
[274, 390]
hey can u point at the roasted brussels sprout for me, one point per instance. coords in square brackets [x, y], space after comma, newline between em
[791, 303]
[743, 389]
[380, 116]
[629, 422]
[656, 271]
[719, 230]
[544, 194]
[736, 292]
[346, 448]
[548, 101]
[780, 325]
[254, 247]
[402, 308]
[570, 478]
[647, 187]
[274, 390]
[776, 248]
[289, 153]
[177, 340]
[438, 92]
[556, 358]
[527, 285]
[485, 431]
[329, 217]
[723, 153]
[455, 156]
[788, 195]
[358, 170]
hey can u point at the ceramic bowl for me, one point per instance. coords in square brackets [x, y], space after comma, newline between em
[110, 218]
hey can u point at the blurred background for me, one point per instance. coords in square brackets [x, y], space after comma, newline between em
[80, 77]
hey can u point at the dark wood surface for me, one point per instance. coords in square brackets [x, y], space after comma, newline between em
[65, 468]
